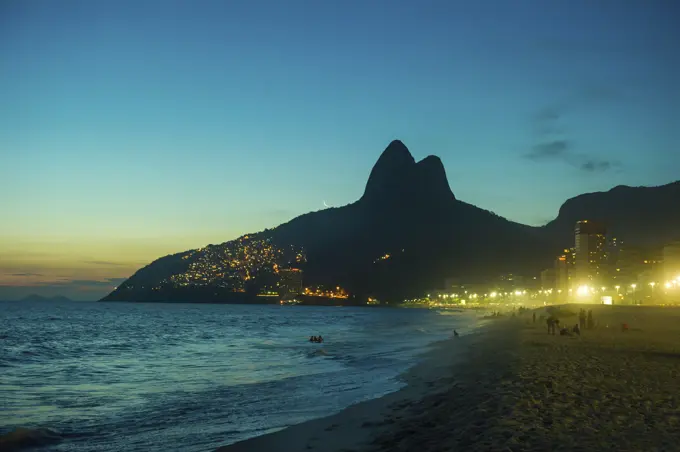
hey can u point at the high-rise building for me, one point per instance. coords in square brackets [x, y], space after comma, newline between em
[290, 283]
[590, 254]
[613, 251]
[671, 262]
[563, 269]
[548, 279]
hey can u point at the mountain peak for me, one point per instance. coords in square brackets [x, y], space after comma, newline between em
[397, 176]
[395, 157]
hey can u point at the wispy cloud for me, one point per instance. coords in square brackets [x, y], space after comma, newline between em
[551, 140]
[107, 263]
[548, 150]
[594, 166]
[26, 274]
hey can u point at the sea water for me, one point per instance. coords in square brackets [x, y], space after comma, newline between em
[193, 377]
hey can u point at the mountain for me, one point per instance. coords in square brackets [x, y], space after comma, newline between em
[643, 216]
[407, 212]
[405, 235]
[34, 297]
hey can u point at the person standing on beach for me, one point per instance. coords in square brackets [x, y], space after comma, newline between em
[582, 319]
[534, 317]
[552, 324]
[591, 323]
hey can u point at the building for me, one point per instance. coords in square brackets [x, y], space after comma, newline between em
[510, 282]
[548, 279]
[590, 254]
[290, 283]
[613, 251]
[671, 262]
[563, 268]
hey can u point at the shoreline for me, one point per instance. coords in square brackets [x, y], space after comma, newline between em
[355, 426]
[511, 386]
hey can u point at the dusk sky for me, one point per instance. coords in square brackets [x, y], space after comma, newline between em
[134, 129]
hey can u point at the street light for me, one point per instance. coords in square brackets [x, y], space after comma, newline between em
[617, 289]
[582, 291]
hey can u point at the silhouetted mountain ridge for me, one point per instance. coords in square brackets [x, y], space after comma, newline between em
[644, 216]
[409, 212]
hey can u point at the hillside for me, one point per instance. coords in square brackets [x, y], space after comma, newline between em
[405, 234]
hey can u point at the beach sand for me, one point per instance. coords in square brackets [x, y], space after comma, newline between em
[513, 387]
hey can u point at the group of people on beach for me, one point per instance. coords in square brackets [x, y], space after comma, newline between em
[585, 319]
[317, 339]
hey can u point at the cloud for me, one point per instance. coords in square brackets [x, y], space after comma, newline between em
[598, 166]
[549, 150]
[107, 263]
[551, 142]
[26, 274]
[94, 283]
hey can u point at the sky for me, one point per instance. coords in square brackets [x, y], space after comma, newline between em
[135, 129]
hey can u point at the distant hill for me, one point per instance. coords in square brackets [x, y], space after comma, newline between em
[34, 297]
[405, 234]
[641, 216]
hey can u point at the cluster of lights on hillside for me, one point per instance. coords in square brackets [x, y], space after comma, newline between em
[232, 264]
[337, 292]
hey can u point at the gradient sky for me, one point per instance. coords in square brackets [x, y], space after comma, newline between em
[133, 129]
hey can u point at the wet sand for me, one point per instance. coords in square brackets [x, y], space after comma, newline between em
[513, 387]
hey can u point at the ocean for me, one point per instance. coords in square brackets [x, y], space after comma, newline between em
[193, 377]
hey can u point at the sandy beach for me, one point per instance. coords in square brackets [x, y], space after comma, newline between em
[514, 387]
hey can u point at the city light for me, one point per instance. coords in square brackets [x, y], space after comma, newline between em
[633, 286]
[493, 294]
[582, 291]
